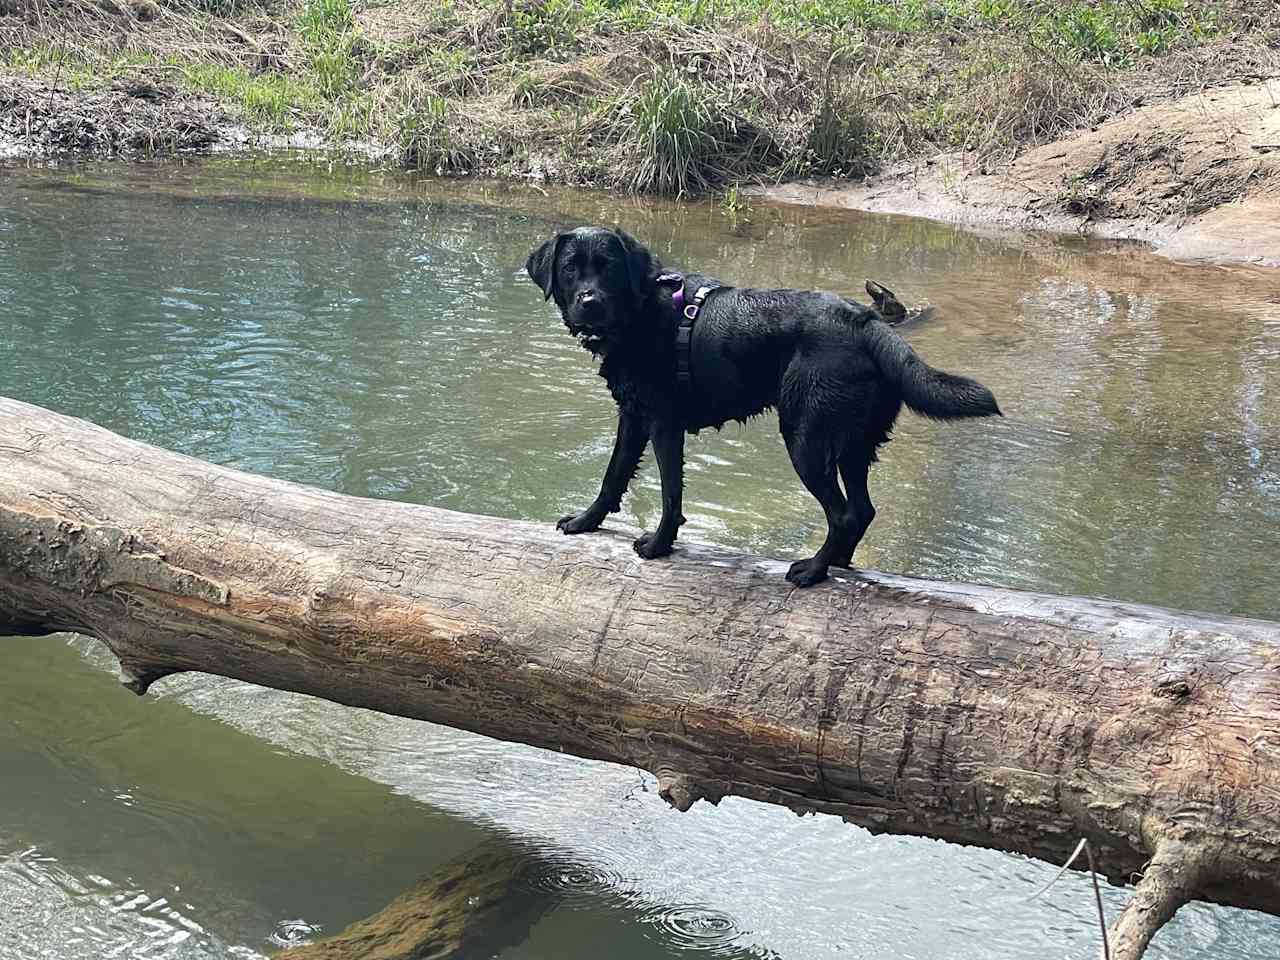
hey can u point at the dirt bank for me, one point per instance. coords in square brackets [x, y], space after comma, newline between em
[128, 118]
[1197, 176]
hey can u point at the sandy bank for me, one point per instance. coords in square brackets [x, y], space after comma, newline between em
[1198, 177]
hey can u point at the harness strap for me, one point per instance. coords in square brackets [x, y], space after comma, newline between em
[684, 332]
[684, 337]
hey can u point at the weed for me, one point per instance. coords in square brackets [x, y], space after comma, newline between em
[672, 130]
[427, 139]
[542, 28]
[734, 207]
[353, 117]
[1084, 32]
[839, 141]
[526, 90]
[334, 67]
[322, 19]
[328, 30]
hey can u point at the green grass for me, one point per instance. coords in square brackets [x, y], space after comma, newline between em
[673, 130]
[427, 137]
[272, 99]
[321, 19]
[1105, 31]
[69, 64]
[329, 33]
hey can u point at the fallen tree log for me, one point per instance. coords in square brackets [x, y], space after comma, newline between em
[1008, 720]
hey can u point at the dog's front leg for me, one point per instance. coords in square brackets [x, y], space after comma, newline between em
[668, 447]
[628, 447]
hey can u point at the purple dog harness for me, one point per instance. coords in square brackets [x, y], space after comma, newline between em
[684, 332]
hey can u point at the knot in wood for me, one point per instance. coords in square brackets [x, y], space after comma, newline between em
[1172, 688]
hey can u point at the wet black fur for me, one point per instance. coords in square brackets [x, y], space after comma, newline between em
[836, 372]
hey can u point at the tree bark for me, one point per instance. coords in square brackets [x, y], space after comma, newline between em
[1004, 719]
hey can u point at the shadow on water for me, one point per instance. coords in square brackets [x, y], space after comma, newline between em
[373, 333]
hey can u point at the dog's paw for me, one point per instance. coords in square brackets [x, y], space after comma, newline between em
[807, 572]
[578, 523]
[650, 547]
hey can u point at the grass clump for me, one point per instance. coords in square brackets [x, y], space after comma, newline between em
[674, 137]
[546, 28]
[673, 131]
[428, 139]
[329, 34]
[841, 136]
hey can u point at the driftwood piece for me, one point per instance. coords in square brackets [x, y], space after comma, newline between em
[973, 714]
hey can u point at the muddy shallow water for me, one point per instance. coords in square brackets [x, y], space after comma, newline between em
[374, 334]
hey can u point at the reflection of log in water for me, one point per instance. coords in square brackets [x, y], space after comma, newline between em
[475, 906]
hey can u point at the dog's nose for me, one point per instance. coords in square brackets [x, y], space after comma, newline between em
[587, 298]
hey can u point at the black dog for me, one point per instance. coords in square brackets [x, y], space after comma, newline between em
[836, 372]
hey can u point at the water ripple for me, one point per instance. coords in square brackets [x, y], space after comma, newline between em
[293, 933]
[696, 928]
[573, 884]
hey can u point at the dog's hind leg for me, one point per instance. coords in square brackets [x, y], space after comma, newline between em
[815, 461]
[854, 464]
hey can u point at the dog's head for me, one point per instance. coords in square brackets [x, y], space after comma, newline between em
[599, 279]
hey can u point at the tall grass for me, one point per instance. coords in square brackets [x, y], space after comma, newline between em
[840, 140]
[427, 137]
[328, 31]
[674, 133]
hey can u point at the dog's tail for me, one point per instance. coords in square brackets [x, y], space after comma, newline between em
[929, 392]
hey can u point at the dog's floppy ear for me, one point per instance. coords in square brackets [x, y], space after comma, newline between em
[541, 265]
[887, 303]
[641, 268]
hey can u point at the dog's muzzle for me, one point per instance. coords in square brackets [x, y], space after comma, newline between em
[587, 315]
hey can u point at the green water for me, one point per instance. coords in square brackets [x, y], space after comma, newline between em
[374, 334]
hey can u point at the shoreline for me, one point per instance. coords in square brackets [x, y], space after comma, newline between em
[1244, 233]
[1197, 178]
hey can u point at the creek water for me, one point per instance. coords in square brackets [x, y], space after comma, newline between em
[373, 332]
